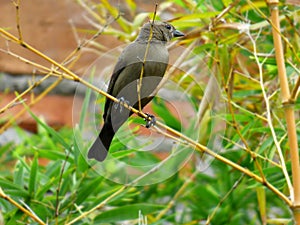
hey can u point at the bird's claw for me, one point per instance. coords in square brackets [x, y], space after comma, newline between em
[120, 104]
[150, 120]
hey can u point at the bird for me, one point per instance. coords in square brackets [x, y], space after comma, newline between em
[137, 73]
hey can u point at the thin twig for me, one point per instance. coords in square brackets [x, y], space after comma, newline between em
[20, 207]
[235, 185]
[39, 67]
[269, 117]
[100, 205]
[237, 129]
[17, 5]
[20, 96]
[53, 72]
[34, 101]
[228, 91]
[139, 87]
[176, 196]
[255, 154]
[59, 184]
[86, 42]
[275, 28]
[262, 118]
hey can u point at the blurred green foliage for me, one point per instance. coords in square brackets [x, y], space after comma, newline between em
[66, 186]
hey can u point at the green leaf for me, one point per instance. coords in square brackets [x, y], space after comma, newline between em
[161, 109]
[85, 104]
[19, 174]
[13, 189]
[33, 176]
[195, 16]
[86, 189]
[45, 188]
[261, 198]
[128, 212]
[52, 154]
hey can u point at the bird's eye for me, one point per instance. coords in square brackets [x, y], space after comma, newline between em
[168, 26]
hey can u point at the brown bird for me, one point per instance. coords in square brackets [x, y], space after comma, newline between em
[125, 80]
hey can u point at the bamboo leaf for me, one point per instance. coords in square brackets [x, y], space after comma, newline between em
[128, 212]
[33, 176]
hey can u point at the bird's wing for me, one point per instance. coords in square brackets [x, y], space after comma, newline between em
[121, 64]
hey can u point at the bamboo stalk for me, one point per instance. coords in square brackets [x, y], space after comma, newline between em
[288, 109]
[20, 207]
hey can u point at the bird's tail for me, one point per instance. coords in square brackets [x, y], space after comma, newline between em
[101, 145]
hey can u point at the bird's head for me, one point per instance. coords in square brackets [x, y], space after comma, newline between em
[161, 31]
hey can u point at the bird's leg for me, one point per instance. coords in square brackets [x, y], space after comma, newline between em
[120, 104]
[150, 120]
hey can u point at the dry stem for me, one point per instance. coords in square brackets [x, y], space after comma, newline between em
[288, 109]
[20, 207]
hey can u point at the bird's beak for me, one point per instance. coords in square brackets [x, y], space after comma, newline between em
[177, 33]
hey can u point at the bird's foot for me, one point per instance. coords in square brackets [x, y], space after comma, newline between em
[120, 104]
[150, 120]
